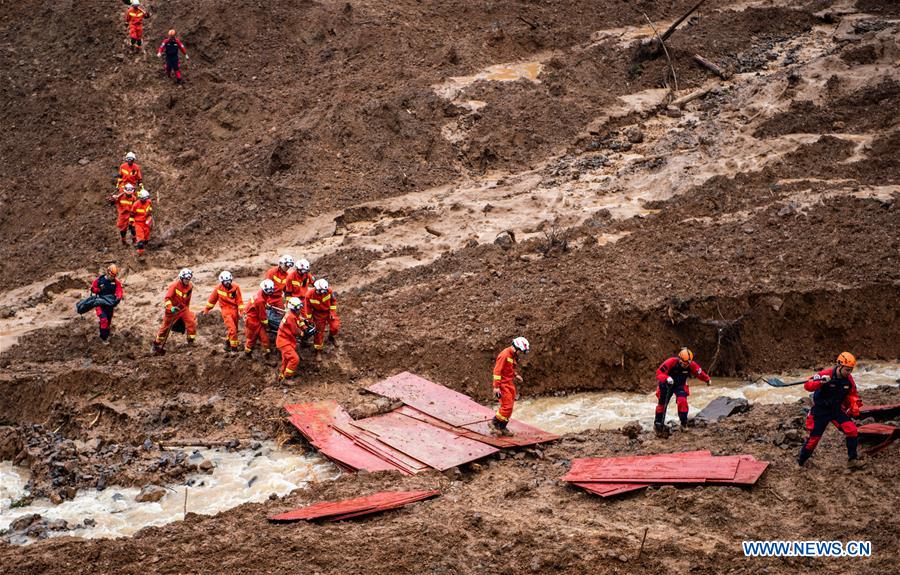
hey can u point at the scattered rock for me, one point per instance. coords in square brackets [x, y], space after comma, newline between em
[505, 239]
[634, 134]
[722, 407]
[83, 162]
[206, 466]
[632, 430]
[24, 522]
[150, 493]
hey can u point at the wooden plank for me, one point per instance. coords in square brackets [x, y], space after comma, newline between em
[436, 400]
[373, 503]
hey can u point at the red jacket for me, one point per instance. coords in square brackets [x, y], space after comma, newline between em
[141, 212]
[256, 306]
[178, 295]
[292, 326]
[130, 174]
[300, 284]
[135, 19]
[279, 278]
[125, 203]
[826, 393]
[505, 367]
[672, 368]
[103, 286]
[226, 298]
[322, 304]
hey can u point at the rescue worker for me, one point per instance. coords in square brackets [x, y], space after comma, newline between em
[107, 284]
[835, 400]
[134, 17]
[231, 304]
[671, 378]
[171, 46]
[129, 172]
[279, 275]
[322, 302]
[256, 320]
[300, 281]
[504, 383]
[293, 326]
[177, 307]
[124, 202]
[141, 220]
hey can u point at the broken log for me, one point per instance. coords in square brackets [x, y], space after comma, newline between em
[699, 93]
[712, 67]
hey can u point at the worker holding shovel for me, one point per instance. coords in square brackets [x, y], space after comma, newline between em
[835, 400]
[671, 378]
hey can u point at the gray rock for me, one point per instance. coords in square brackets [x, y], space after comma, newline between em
[24, 522]
[634, 134]
[722, 407]
[505, 239]
[632, 430]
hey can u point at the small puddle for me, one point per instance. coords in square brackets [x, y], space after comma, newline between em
[239, 477]
[452, 87]
[611, 410]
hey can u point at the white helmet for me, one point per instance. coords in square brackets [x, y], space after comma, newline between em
[521, 344]
[321, 285]
[185, 274]
[135, 3]
[303, 265]
[268, 286]
[225, 277]
[130, 157]
[286, 261]
[144, 195]
[295, 304]
[129, 188]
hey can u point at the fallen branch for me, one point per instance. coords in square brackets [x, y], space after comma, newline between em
[643, 540]
[666, 51]
[678, 22]
[679, 102]
[712, 67]
[532, 25]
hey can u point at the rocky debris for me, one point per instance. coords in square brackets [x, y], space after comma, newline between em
[10, 443]
[634, 134]
[34, 526]
[632, 430]
[505, 239]
[150, 493]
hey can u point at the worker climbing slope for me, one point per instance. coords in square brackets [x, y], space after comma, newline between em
[322, 303]
[293, 326]
[124, 202]
[171, 46]
[835, 400]
[504, 384]
[671, 378]
[142, 220]
[256, 320]
[129, 172]
[177, 312]
[134, 17]
[231, 303]
[107, 285]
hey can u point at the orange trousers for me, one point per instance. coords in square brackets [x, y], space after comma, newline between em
[230, 319]
[331, 321]
[122, 222]
[142, 230]
[190, 325]
[253, 330]
[507, 400]
[289, 361]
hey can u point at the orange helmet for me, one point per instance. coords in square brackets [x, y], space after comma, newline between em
[171, 32]
[846, 359]
[685, 355]
[113, 270]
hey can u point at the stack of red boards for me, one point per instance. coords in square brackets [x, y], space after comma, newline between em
[436, 428]
[347, 508]
[881, 433]
[879, 412]
[608, 476]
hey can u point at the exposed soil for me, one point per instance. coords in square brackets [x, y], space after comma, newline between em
[578, 207]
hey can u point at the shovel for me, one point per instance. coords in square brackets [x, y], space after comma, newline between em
[775, 382]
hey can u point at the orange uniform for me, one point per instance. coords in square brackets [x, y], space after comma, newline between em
[129, 174]
[141, 220]
[231, 303]
[300, 283]
[280, 279]
[256, 320]
[292, 327]
[177, 306]
[505, 381]
[323, 308]
[134, 16]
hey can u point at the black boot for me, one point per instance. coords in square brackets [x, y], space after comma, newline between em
[682, 417]
[804, 455]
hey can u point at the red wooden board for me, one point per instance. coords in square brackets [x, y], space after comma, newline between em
[314, 422]
[436, 447]
[879, 411]
[610, 489]
[748, 472]
[496, 441]
[524, 434]
[435, 400]
[878, 429]
[336, 510]
[371, 443]
[687, 465]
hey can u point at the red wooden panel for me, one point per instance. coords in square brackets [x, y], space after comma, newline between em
[878, 429]
[356, 506]
[688, 465]
[371, 443]
[496, 441]
[610, 489]
[748, 472]
[435, 400]
[436, 447]
[524, 434]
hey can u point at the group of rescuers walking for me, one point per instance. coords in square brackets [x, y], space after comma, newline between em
[310, 307]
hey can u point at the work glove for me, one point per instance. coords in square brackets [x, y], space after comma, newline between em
[496, 393]
[517, 395]
[158, 55]
[670, 381]
[174, 309]
[186, 57]
[709, 382]
[519, 378]
[822, 378]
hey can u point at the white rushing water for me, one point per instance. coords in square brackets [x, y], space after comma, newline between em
[239, 477]
[611, 410]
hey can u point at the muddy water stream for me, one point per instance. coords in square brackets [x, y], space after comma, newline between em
[239, 477]
[611, 410]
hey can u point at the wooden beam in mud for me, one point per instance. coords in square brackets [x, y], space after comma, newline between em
[711, 66]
